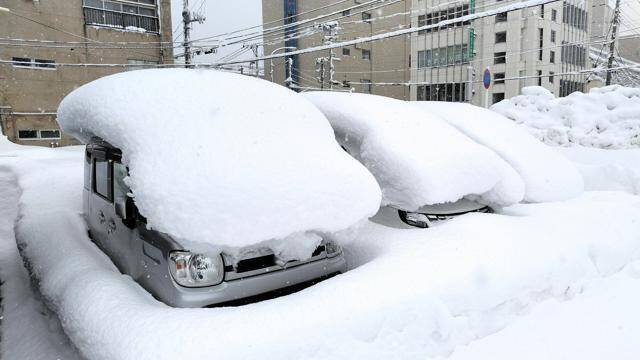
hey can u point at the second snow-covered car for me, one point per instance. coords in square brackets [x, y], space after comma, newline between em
[199, 196]
[428, 171]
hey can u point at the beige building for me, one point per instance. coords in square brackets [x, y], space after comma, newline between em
[365, 68]
[34, 76]
[536, 46]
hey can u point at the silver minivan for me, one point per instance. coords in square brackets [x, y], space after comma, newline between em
[168, 269]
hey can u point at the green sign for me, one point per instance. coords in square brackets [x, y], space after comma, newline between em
[472, 42]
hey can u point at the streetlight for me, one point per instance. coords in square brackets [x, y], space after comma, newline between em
[273, 52]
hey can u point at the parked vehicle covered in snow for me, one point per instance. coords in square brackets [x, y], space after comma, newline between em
[199, 197]
[428, 170]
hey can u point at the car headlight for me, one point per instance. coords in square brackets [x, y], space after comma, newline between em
[196, 270]
[332, 249]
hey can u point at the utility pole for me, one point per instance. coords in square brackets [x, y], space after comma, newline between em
[330, 30]
[187, 19]
[612, 45]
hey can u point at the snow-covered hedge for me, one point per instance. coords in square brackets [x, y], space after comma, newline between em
[607, 117]
[417, 159]
[547, 175]
[225, 159]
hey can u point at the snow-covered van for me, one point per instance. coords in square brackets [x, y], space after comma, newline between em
[211, 188]
[427, 169]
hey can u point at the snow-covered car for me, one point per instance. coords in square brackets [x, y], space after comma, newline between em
[428, 170]
[199, 197]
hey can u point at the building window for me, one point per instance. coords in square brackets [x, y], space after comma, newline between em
[366, 86]
[567, 87]
[497, 97]
[346, 13]
[346, 51]
[135, 64]
[502, 17]
[552, 57]
[33, 63]
[539, 77]
[573, 54]
[18, 61]
[501, 37]
[132, 15]
[366, 54]
[47, 64]
[366, 16]
[541, 42]
[574, 16]
[500, 57]
[553, 36]
[442, 15]
[551, 73]
[27, 134]
[498, 78]
[554, 14]
[38, 134]
[451, 92]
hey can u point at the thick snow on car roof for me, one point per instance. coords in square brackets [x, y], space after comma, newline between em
[222, 158]
[417, 159]
[548, 176]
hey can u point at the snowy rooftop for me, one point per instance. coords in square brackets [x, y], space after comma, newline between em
[417, 158]
[222, 158]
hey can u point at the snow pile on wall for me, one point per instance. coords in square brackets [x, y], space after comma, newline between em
[224, 159]
[414, 294]
[417, 159]
[547, 175]
[607, 117]
[601, 169]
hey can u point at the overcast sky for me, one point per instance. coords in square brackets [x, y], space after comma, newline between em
[222, 16]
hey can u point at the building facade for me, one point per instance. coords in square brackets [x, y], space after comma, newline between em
[380, 67]
[36, 74]
[543, 46]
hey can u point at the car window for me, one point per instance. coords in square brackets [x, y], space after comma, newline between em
[101, 178]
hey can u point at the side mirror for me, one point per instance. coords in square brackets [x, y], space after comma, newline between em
[121, 209]
[126, 210]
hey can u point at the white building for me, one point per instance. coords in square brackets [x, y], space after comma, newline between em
[542, 46]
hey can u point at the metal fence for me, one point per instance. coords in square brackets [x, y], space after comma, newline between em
[120, 20]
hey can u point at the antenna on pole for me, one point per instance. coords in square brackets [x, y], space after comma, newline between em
[612, 45]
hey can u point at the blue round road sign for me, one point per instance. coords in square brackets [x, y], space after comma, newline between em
[486, 78]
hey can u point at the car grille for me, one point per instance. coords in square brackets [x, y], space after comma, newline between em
[260, 264]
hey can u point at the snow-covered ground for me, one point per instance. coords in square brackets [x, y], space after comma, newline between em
[410, 293]
[600, 323]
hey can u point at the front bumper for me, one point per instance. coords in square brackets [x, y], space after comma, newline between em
[245, 287]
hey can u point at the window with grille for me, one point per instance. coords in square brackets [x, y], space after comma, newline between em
[134, 15]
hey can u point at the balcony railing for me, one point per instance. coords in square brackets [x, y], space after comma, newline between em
[119, 20]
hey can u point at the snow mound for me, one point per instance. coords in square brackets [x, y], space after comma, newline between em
[547, 175]
[615, 170]
[607, 117]
[224, 159]
[417, 159]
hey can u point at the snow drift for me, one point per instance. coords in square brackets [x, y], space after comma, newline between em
[417, 159]
[224, 159]
[607, 117]
[614, 170]
[547, 175]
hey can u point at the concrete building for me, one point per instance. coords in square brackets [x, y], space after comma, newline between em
[365, 67]
[534, 46]
[32, 80]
